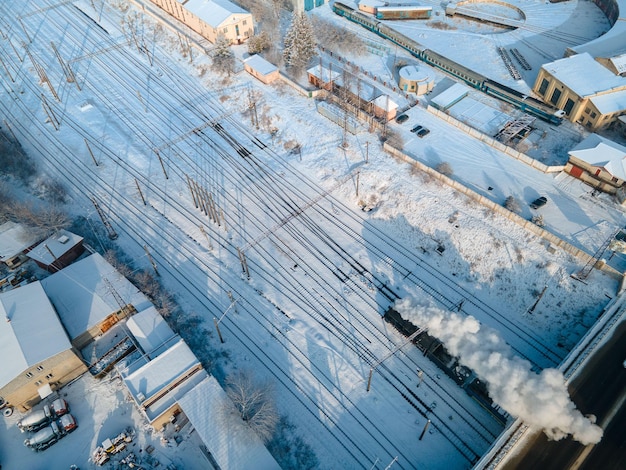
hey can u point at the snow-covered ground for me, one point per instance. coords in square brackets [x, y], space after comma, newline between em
[322, 272]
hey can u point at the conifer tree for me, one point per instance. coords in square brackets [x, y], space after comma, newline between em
[300, 43]
[223, 59]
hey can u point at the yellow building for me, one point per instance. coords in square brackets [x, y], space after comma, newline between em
[211, 18]
[37, 356]
[587, 92]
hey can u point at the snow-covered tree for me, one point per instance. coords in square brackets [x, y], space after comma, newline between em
[253, 403]
[223, 58]
[300, 43]
[259, 43]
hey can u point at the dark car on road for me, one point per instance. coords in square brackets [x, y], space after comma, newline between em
[402, 118]
[539, 202]
[423, 133]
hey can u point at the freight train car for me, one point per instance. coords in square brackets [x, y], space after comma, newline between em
[406, 12]
[474, 79]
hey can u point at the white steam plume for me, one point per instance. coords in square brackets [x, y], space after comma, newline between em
[539, 400]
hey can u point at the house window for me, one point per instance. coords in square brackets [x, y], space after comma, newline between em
[568, 106]
[225, 30]
[543, 87]
[614, 179]
[49, 376]
[39, 368]
[38, 383]
[556, 94]
[29, 375]
[587, 110]
[245, 22]
[593, 115]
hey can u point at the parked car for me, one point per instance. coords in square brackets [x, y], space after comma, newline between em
[402, 118]
[539, 202]
[423, 133]
[417, 128]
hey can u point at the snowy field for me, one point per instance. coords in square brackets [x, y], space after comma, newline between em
[321, 271]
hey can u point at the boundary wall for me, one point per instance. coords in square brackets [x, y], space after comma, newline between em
[511, 152]
[528, 225]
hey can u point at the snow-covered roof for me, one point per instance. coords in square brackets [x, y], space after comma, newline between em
[384, 102]
[360, 88]
[30, 331]
[144, 382]
[323, 74]
[372, 3]
[149, 329]
[82, 297]
[611, 41]
[214, 12]
[583, 75]
[58, 244]
[448, 97]
[14, 239]
[610, 102]
[412, 72]
[233, 444]
[261, 65]
[602, 153]
[619, 62]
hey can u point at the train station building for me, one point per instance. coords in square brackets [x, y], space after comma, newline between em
[588, 93]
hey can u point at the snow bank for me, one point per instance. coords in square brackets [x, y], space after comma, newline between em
[539, 400]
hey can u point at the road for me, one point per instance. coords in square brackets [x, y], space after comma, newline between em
[600, 390]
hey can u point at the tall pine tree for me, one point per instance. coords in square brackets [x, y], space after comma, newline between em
[300, 44]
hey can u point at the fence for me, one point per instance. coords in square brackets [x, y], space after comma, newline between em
[494, 143]
[528, 225]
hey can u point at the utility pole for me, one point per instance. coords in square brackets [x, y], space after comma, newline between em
[367, 151]
[140, 193]
[91, 153]
[425, 429]
[244, 262]
[161, 162]
[420, 376]
[217, 322]
[69, 74]
[51, 116]
[206, 235]
[154, 266]
[105, 220]
[532, 309]
[7, 70]
[376, 364]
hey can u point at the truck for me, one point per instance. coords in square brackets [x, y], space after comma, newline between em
[36, 420]
[40, 418]
[59, 407]
[49, 435]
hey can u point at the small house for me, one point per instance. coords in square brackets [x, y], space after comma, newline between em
[15, 241]
[599, 162]
[383, 107]
[57, 251]
[261, 69]
[322, 77]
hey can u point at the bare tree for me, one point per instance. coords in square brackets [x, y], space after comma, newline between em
[336, 38]
[253, 403]
[259, 43]
[512, 204]
[445, 169]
